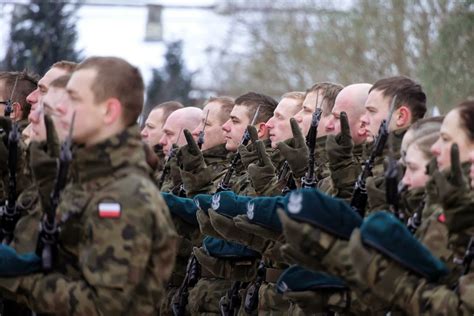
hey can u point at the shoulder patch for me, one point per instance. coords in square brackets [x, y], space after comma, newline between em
[441, 218]
[109, 210]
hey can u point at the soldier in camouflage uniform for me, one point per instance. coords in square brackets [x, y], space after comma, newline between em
[449, 187]
[26, 230]
[233, 129]
[153, 131]
[117, 244]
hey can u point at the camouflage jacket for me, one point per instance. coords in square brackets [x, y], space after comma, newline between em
[116, 233]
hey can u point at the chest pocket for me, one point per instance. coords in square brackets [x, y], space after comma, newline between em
[72, 230]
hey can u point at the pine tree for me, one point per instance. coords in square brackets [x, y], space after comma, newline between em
[172, 82]
[41, 34]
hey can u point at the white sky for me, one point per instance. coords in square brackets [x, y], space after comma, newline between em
[120, 31]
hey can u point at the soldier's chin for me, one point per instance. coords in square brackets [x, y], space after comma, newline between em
[230, 146]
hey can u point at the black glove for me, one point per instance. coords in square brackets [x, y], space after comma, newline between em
[295, 151]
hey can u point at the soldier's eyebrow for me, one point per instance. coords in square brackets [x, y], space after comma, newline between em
[234, 118]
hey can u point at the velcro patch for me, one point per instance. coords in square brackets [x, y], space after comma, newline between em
[109, 210]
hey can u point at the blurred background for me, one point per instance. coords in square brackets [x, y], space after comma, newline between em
[190, 50]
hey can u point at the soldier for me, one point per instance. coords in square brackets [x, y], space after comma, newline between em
[57, 70]
[342, 149]
[24, 83]
[153, 130]
[422, 294]
[122, 241]
[185, 118]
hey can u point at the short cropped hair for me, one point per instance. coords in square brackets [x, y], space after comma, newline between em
[25, 83]
[66, 65]
[116, 78]
[253, 100]
[168, 107]
[408, 92]
[227, 104]
[329, 92]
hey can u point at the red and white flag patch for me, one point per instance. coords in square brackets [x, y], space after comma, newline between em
[109, 210]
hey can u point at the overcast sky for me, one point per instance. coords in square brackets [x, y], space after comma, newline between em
[120, 31]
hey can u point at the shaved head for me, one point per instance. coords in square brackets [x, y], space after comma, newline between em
[185, 118]
[351, 100]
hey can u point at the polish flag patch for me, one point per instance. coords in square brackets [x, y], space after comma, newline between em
[109, 210]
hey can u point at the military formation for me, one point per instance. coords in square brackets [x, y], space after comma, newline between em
[344, 200]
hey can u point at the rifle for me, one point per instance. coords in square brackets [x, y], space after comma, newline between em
[10, 215]
[172, 153]
[193, 272]
[251, 299]
[228, 309]
[309, 181]
[224, 185]
[359, 197]
[46, 247]
[415, 220]
[469, 254]
[200, 140]
[391, 184]
[9, 104]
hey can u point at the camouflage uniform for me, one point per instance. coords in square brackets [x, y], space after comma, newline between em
[215, 160]
[114, 262]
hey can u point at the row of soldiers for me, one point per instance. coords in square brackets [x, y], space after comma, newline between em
[334, 200]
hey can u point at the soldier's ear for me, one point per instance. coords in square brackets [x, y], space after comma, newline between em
[112, 111]
[262, 130]
[403, 116]
[17, 110]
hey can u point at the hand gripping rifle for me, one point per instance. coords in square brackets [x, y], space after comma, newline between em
[359, 197]
[309, 180]
[46, 247]
[392, 185]
[10, 215]
[9, 104]
[166, 170]
[193, 273]
[224, 185]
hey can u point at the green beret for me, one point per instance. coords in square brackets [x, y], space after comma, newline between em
[229, 204]
[183, 208]
[203, 201]
[262, 211]
[384, 232]
[330, 214]
[298, 279]
[227, 250]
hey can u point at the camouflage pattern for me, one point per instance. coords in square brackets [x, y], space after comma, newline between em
[122, 264]
[160, 155]
[204, 297]
[173, 179]
[205, 178]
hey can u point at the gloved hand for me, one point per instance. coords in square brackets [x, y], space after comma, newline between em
[321, 301]
[248, 154]
[13, 264]
[295, 151]
[262, 173]
[194, 172]
[451, 184]
[384, 277]
[190, 156]
[339, 147]
[205, 225]
[245, 271]
[44, 162]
